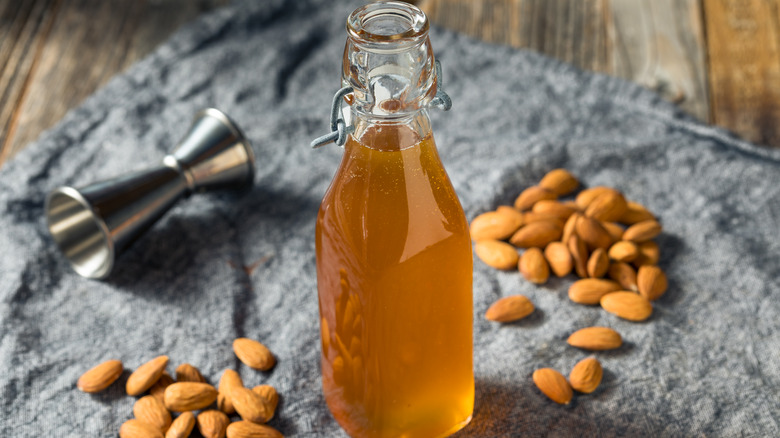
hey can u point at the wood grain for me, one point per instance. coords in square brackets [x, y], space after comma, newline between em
[744, 67]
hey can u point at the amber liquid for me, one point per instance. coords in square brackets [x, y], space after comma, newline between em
[394, 272]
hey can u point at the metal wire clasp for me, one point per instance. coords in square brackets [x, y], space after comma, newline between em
[339, 129]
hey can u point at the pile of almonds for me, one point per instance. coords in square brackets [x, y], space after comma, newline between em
[597, 233]
[189, 393]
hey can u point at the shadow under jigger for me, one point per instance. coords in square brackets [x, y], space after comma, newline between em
[92, 225]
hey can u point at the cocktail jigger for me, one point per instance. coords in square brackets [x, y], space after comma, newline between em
[92, 225]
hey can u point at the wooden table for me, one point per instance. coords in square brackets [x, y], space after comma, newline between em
[718, 59]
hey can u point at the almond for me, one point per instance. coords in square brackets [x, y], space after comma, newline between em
[510, 309]
[531, 196]
[510, 211]
[533, 266]
[100, 376]
[536, 234]
[598, 263]
[269, 393]
[151, 411]
[593, 233]
[213, 423]
[585, 197]
[591, 290]
[649, 254]
[229, 380]
[158, 389]
[497, 254]
[635, 212]
[642, 231]
[530, 216]
[251, 406]
[145, 376]
[189, 396]
[595, 338]
[246, 429]
[586, 375]
[623, 251]
[553, 385]
[615, 231]
[253, 354]
[138, 429]
[494, 226]
[579, 255]
[569, 227]
[182, 426]
[188, 373]
[608, 206]
[624, 274]
[651, 281]
[559, 181]
[559, 258]
[627, 305]
[553, 208]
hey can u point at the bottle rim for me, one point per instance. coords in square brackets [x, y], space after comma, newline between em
[387, 22]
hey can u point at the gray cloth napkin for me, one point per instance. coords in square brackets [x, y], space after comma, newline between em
[707, 363]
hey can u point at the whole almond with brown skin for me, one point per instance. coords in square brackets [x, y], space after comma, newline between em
[569, 227]
[229, 380]
[559, 181]
[649, 254]
[188, 373]
[100, 376]
[554, 208]
[651, 281]
[623, 251]
[624, 274]
[253, 354]
[138, 429]
[497, 254]
[530, 216]
[269, 393]
[553, 385]
[608, 206]
[598, 263]
[510, 211]
[251, 406]
[182, 426]
[511, 308]
[615, 231]
[585, 197]
[158, 389]
[536, 234]
[144, 377]
[591, 290]
[151, 411]
[595, 338]
[494, 226]
[189, 396]
[213, 423]
[533, 266]
[531, 196]
[627, 305]
[559, 258]
[635, 212]
[642, 231]
[593, 233]
[247, 429]
[579, 255]
[585, 377]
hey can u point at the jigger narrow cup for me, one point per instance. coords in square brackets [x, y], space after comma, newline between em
[93, 224]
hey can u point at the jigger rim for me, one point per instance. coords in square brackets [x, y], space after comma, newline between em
[108, 264]
[240, 137]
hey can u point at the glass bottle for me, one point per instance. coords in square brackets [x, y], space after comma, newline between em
[394, 263]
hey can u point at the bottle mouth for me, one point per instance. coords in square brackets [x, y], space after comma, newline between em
[387, 21]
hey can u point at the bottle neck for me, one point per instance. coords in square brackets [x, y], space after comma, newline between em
[390, 133]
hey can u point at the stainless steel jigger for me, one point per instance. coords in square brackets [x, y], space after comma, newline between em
[92, 225]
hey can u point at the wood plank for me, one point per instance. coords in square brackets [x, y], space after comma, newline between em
[660, 45]
[743, 38]
[89, 41]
